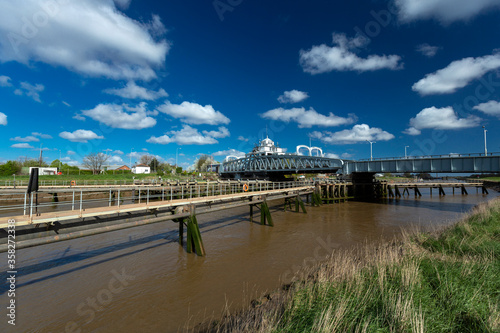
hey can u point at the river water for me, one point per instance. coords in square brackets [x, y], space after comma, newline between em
[141, 280]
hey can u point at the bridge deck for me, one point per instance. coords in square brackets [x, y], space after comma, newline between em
[51, 217]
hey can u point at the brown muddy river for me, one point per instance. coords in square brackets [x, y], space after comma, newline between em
[141, 280]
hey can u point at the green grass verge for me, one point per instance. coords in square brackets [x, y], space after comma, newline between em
[448, 281]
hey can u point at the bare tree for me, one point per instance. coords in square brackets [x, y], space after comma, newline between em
[95, 162]
[146, 159]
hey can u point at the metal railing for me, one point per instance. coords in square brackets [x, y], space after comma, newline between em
[78, 199]
[423, 157]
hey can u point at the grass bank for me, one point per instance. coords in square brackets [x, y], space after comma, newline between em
[446, 281]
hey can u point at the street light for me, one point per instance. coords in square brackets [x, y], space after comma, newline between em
[371, 149]
[130, 162]
[485, 147]
[405, 151]
[176, 153]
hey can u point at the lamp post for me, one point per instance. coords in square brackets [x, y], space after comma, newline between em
[14, 180]
[176, 153]
[59, 160]
[371, 149]
[130, 156]
[405, 151]
[485, 147]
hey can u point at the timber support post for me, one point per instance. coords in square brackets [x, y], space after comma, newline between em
[485, 191]
[194, 241]
[299, 203]
[464, 191]
[441, 191]
[265, 214]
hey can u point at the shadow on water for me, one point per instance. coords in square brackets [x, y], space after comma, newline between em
[169, 237]
[434, 205]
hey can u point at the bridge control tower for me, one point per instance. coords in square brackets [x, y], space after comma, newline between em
[269, 161]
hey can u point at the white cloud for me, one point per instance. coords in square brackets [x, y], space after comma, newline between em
[5, 81]
[456, 75]
[307, 118]
[133, 91]
[342, 57]
[491, 108]
[293, 96]
[359, 133]
[22, 145]
[118, 152]
[114, 159]
[29, 138]
[123, 4]
[232, 152]
[445, 11]
[91, 37]
[66, 103]
[121, 116]
[331, 155]
[242, 138]
[80, 136]
[3, 118]
[30, 90]
[70, 152]
[221, 133]
[443, 119]
[78, 116]
[41, 135]
[194, 114]
[427, 50]
[187, 136]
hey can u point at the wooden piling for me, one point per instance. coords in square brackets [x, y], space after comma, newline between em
[441, 191]
[464, 191]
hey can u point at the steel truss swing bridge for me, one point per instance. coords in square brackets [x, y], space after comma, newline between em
[275, 166]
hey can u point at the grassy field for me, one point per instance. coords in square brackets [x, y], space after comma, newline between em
[493, 179]
[446, 281]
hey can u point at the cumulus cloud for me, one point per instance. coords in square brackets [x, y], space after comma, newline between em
[113, 159]
[442, 118]
[428, 50]
[123, 4]
[359, 133]
[29, 138]
[190, 136]
[91, 37]
[41, 135]
[121, 116]
[5, 81]
[194, 114]
[456, 75]
[3, 118]
[80, 136]
[331, 155]
[445, 11]
[133, 91]
[342, 57]
[491, 108]
[293, 96]
[30, 90]
[229, 152]
[22, 145]
[307, 118]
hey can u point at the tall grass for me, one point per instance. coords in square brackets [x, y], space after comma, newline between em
[446, 281]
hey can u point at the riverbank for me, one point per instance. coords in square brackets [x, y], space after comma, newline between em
[446, 281]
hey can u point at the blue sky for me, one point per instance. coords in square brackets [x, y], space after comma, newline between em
[193, 77]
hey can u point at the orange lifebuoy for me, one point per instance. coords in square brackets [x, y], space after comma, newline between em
[245, 187]
[73, 183]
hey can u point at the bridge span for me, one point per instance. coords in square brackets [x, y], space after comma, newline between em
[275, 166]
[455, 163]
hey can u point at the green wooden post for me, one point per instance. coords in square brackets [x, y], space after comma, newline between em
[300, 203]
[181, 231]
[189, 235]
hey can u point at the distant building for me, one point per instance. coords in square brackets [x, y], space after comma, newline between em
[141, 168]
[43, 171]
[123, 167]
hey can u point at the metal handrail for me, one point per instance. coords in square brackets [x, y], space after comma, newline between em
[79, 199]
[425, 157]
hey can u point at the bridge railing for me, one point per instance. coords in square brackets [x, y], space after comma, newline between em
[14, 203]
[424, 157]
